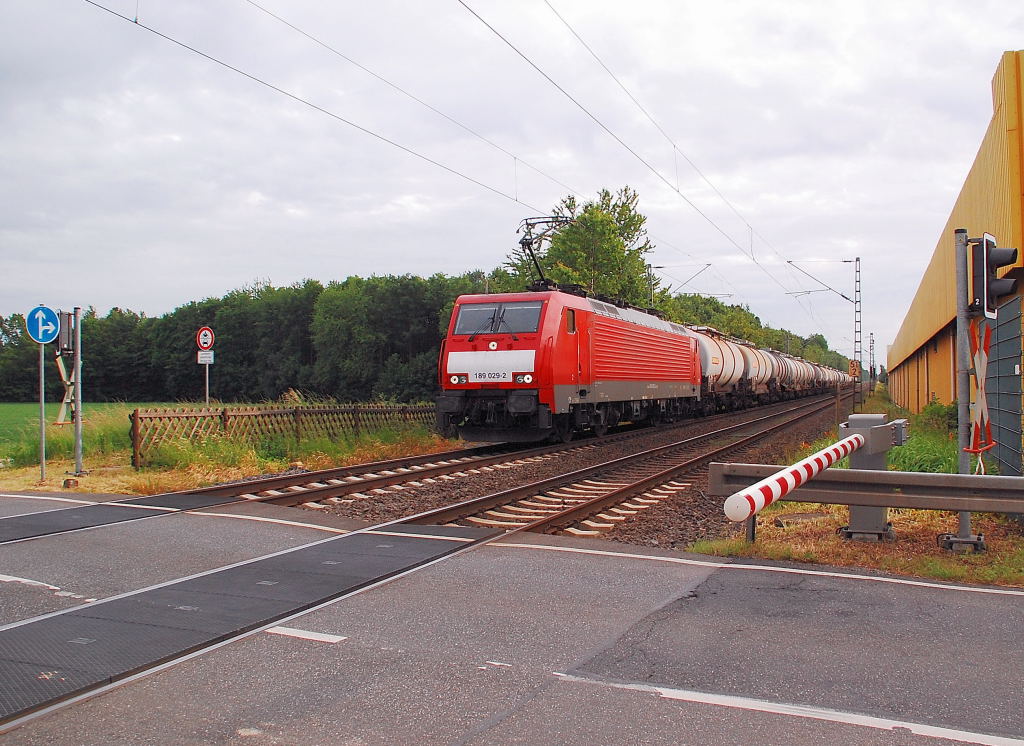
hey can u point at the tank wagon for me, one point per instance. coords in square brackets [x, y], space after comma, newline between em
[526, 366]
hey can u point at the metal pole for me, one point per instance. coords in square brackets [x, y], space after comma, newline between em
[42, 415]
[963, 365]
[78, 391]
[858, 343]
[206, 372]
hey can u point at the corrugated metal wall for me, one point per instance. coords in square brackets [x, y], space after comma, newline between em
[920, 359]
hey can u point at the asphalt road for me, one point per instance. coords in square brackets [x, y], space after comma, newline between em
[539, 640]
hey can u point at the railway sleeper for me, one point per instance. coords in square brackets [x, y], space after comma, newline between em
[493, 523]
[581, 531]
[502, 514]
[528, 503]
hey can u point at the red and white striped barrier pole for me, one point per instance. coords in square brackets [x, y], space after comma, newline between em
[745, 503]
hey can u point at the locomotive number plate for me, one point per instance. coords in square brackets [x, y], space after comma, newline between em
[485, 366]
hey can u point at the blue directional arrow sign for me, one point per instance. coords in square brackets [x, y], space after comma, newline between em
[43, 324]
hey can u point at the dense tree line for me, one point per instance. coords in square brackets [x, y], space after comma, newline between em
[361, 338]
[356, 340]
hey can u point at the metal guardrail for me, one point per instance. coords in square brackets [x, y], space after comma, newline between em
[888, 489]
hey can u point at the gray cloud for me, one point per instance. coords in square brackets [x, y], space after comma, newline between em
[136, 174]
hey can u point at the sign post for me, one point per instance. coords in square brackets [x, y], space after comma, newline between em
[204, 341]
[42, 325]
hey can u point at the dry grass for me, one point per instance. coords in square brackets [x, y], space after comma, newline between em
[914, 552]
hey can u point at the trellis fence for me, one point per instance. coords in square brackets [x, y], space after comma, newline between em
[152, 427]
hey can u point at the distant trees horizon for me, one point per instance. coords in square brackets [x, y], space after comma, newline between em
[362, 339]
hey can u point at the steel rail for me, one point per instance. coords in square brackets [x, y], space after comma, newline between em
[478, 456]
[588, 509]
[475, 505]
[231, 489]
[310, 486]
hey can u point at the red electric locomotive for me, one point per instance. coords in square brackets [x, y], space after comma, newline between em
[525, 366]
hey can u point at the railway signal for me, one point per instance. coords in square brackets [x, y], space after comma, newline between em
[986, 287]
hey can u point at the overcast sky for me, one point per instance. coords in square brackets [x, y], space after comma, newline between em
[136, 173]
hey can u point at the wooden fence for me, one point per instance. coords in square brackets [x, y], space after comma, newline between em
[152, 427]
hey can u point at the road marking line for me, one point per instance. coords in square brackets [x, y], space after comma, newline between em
[421, 536]
[805, 711]
[53, 499]
[765, 568]
[158, 508]
[304, 634]
[26, 581]
[263, 519]
[45, 586]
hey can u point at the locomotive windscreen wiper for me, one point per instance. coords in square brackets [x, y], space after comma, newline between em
[501, 320]
[486, 326]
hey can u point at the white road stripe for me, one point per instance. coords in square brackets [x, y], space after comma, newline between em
[45, 586]
[304, 634]
[157, 508]
[53, 499]
[26, 581]
[261, 519]
[460, 539]
[329, 529]
[765, 568]
[804, 711]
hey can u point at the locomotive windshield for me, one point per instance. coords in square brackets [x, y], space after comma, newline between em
[494, 318]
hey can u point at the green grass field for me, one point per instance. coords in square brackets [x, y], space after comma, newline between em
[20, 420]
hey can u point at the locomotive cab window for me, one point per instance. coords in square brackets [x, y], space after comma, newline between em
[570, 320]
[498, 318]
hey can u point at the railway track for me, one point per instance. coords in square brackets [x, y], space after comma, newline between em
[593, 500]
[361, 481]
[327, 487]
[335, 486]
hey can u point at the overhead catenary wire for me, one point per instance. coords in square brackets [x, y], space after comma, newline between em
[408, 150]
[675, 147]
[316, 107]
[603, 126]
[517, 159]
[651, 168]
[676, 150]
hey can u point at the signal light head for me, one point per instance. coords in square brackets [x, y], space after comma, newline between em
[988, 288]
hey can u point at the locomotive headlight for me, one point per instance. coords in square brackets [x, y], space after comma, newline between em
[527, 378]
[454, 379]
[523, 378]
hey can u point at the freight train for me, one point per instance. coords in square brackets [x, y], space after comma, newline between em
[549, 363]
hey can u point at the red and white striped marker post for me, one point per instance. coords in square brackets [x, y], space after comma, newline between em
[743, 504]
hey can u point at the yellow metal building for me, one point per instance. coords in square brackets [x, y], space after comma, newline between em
[921, 358]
